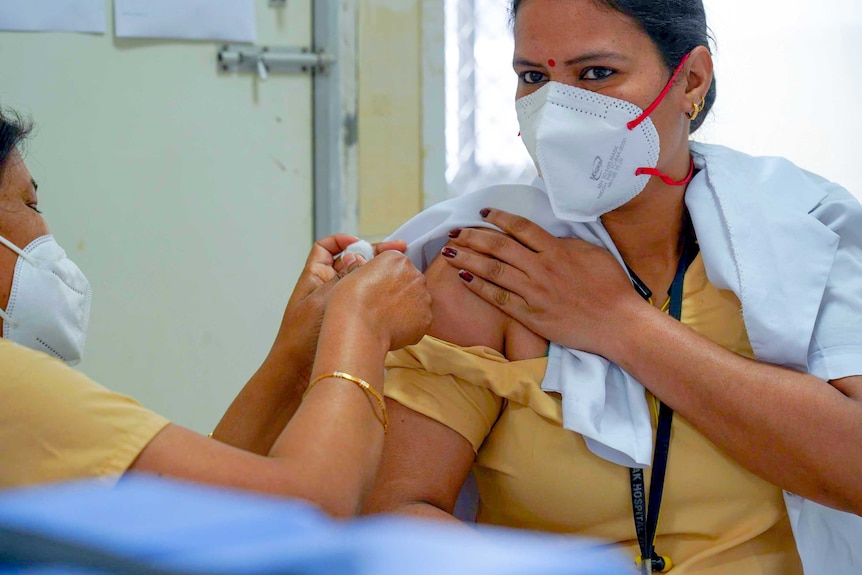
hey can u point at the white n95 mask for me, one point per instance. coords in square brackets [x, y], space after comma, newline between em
[49, 305]
[594, 153]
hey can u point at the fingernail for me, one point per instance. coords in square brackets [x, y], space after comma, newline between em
[449, 252]
[465, 275]
[484, 212]
[455, 233]
[348, 259]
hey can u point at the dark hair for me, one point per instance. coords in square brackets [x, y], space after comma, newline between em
[676, 27]
[13, 131]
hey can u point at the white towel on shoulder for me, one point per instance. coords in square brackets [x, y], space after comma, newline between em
[600, 400]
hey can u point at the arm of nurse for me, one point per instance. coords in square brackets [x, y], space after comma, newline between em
[381, 306]
[267, 402]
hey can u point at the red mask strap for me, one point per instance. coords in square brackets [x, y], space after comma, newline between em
[637, 121]
[666, 179]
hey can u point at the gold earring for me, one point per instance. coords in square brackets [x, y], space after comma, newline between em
[698, 108]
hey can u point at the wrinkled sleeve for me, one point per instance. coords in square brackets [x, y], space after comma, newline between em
[58, 425]
[447, 384]
[836, 345]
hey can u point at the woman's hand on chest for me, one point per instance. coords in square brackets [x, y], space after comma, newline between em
[566, 290]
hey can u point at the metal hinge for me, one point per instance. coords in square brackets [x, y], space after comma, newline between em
[264, 60]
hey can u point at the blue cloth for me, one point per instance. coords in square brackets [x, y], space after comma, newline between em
[150, 525]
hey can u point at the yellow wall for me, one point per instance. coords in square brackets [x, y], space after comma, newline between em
[390, 114]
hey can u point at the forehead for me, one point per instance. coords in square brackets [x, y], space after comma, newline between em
[14, 173]
[570, 27]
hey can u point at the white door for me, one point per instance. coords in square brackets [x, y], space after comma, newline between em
[184, 194]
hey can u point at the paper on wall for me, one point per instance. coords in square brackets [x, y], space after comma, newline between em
[231, 20]
[53, 15]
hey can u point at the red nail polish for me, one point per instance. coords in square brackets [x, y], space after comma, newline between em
[484, 212]
[449, 252]
[455, 233]
[465, 275]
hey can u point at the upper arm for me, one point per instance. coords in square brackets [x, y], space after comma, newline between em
[463, 318]
[424, 461]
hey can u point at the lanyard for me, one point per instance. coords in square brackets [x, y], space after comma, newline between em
[646, 518]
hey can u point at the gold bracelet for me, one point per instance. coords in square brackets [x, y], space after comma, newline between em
[364, 385]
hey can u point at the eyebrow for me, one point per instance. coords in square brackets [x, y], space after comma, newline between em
[589, 57]
[35, 185]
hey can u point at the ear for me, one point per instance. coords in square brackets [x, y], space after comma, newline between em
[698, 77]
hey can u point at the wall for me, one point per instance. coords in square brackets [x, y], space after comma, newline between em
[182, 193]
[394, 37]
[789, 82]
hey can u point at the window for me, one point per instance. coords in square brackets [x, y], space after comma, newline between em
[482, 143]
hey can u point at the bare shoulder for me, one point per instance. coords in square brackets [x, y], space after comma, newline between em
[460, 316]
[463, 318]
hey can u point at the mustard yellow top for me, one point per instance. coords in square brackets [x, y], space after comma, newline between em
[58, 425]
[716, 517]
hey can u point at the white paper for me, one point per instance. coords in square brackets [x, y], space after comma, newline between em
[231, 20]
[53, 15]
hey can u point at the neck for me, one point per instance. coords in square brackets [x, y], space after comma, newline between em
[647, 231]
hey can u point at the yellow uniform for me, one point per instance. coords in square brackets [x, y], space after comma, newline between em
[716, 517]
[57, 425]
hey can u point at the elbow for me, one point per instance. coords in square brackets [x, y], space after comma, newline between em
[841, 492]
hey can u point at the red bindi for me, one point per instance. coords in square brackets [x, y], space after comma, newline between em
[552, 62]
